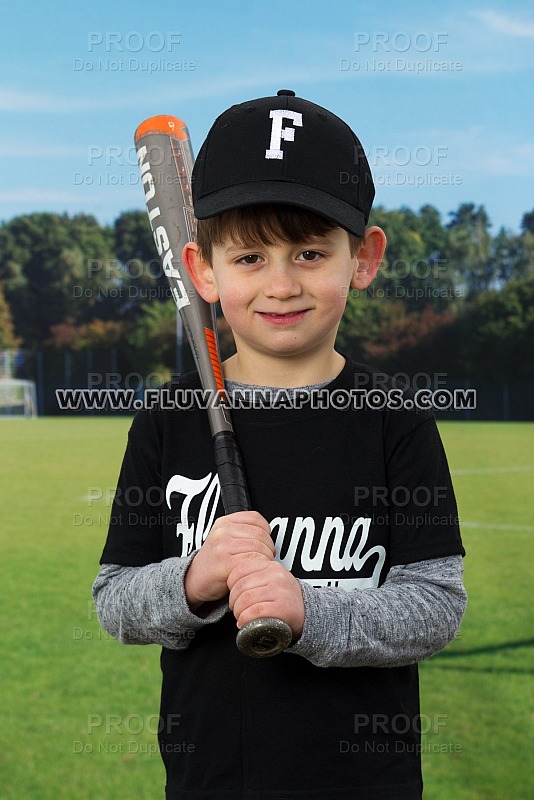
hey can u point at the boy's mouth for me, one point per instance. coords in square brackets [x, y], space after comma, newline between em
[283, 318]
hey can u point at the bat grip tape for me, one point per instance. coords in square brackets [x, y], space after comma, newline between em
[234, 491]
[260, 638]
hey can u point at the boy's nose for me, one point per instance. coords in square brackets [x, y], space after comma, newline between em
[282, 281]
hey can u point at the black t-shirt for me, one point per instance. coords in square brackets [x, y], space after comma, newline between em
[349, 493]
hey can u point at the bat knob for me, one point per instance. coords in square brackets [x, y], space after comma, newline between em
[263, 638]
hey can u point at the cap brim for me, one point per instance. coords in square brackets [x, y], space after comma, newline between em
[307, 197]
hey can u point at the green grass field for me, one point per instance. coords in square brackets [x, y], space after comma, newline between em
[79, 711]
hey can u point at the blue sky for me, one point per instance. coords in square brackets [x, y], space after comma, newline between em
[439, 94]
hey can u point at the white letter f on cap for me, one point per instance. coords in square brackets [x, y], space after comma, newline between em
[278, 133]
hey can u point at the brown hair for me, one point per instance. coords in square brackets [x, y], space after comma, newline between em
[265, 224]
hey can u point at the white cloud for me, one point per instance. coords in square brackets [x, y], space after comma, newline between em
[34, 195]
[37, 102]
[476, 151]
[505, 24]
[228, 84]
[517, 161]
[40, 150]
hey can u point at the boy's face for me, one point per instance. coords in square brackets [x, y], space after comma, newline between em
[284, 300]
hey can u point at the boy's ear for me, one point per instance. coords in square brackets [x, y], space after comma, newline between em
[200, 272]
[369, 257]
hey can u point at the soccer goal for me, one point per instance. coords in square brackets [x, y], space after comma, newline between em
[17, 398]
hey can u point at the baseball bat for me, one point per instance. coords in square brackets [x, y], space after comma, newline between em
[165, 162]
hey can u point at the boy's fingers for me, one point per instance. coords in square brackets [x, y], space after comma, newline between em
[227, 547]
[244, 598]
[230, 534]
[248, 564]
[252, 533]
[252, 546]
[249, 518]
[250, 573]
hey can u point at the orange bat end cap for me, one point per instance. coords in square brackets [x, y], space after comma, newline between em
[162, 123]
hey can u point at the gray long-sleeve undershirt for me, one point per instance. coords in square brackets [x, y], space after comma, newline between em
[414, 614]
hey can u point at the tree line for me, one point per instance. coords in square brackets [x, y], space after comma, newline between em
[449, 297]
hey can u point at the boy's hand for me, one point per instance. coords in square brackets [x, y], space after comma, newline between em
[265, 588]
[234, 539]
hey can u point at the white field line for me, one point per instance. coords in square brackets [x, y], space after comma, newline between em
[492, 470]
[106, 496]
[492, 527]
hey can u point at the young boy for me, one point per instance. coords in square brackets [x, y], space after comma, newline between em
[354, 539]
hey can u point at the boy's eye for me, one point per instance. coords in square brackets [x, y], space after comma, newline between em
[309, 255]
[251, 258]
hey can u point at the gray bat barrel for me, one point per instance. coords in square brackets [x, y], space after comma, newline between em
[165, 163]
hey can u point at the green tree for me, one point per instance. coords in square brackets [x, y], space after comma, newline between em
[416, 267]
[136, 252]
[506, 256]
[54, 267]
[527, 223]
[154, 337]
[497, 331]
[133, 237]
[470, 248]
[8, 340]
[364, 318]
[525, 265]
[512, 255]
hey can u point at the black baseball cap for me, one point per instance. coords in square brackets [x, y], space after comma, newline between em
[284, 149]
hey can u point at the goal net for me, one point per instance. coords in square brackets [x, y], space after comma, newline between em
[17, 398]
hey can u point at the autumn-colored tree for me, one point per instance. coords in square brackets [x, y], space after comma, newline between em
[97, 333]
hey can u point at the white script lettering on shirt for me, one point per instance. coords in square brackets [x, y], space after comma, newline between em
[331, 555]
